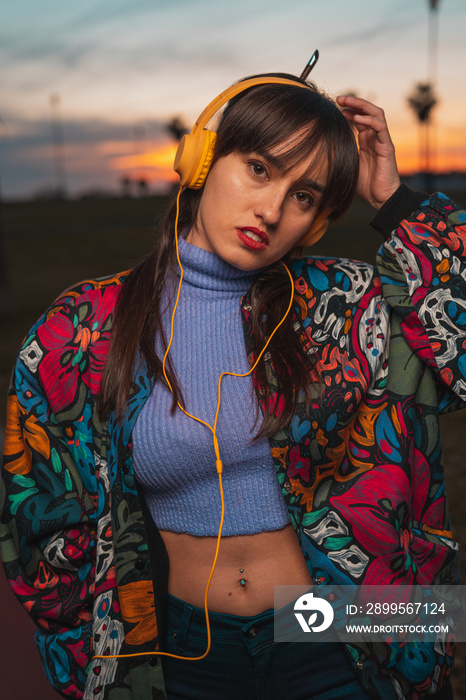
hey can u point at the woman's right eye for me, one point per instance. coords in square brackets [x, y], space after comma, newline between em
[257, 168]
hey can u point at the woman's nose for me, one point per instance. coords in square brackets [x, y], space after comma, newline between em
[269, 208]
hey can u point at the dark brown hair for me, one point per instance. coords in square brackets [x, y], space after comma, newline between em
[256, 120]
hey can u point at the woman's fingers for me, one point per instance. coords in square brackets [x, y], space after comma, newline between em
[366, 120]
[364, 114]
[358, 104]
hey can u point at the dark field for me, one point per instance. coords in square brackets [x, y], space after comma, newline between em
[51, 245]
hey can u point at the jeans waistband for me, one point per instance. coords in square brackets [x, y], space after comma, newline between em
[227, 626]
[234, 628]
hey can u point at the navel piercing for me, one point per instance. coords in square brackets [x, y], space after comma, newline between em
[243, 581]
[241, 571]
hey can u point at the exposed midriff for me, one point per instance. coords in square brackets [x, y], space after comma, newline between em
[248, 567]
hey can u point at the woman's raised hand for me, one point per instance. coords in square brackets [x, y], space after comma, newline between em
[378, 173]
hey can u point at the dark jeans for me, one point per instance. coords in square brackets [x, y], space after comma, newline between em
[244, 662]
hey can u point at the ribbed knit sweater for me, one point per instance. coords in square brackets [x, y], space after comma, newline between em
[174, 457]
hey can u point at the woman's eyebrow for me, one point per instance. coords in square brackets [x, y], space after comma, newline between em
[305, 182]
[312, 184]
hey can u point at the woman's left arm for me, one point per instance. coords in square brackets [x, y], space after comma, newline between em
[422, 267]
[422, 264]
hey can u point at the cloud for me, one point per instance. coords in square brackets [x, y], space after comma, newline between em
[123, 34]
[119, 60]
[91, 152]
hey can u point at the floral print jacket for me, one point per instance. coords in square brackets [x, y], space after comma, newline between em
[361, 475]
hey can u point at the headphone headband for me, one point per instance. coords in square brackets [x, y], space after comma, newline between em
[234, 90]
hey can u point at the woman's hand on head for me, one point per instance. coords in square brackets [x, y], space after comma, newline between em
[378, 173]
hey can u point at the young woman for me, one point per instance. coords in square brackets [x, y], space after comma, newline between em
[327, 451]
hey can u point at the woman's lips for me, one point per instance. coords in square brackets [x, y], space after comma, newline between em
[253, 237]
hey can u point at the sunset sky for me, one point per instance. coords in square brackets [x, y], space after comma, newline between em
[117, 70]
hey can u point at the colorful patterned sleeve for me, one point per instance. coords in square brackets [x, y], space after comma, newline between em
[422, 266]
[49, 491]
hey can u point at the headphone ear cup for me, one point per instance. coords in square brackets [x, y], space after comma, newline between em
[318, 228]
[193, 158]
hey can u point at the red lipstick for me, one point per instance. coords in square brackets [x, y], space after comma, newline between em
[253, 237]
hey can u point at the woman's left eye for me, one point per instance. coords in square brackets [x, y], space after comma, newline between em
[304, 198]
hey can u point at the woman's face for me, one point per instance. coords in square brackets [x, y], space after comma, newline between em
[251, 213]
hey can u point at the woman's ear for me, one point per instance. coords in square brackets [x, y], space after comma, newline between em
[317, 230]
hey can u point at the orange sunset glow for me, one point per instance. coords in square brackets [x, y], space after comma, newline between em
[156, 164]
[448, 150]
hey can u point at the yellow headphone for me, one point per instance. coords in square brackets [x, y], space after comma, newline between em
[196, 149]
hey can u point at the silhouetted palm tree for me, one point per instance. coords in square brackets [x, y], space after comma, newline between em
[177, 128]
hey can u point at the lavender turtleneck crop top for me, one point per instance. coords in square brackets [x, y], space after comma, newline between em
[174, 457]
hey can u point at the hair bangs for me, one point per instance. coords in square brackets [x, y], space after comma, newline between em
[305, 146]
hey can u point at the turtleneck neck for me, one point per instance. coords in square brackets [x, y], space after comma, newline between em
[205, 270]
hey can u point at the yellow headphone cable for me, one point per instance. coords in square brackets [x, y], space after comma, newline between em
[213, 429]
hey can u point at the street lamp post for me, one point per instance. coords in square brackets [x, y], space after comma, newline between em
[7, 306]
[58, 145]
[432, 79]
[432, 43]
